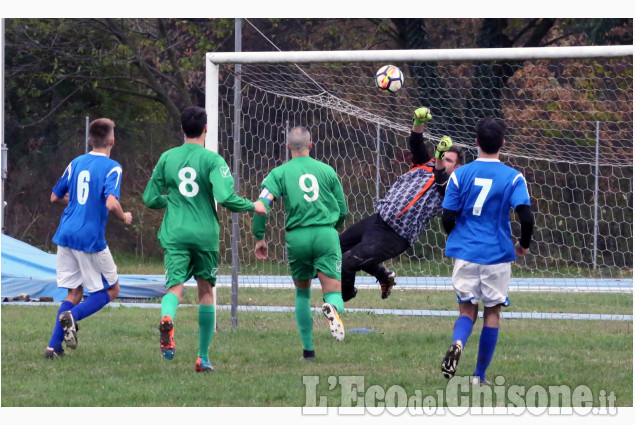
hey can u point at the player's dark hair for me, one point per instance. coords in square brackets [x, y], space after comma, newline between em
[490, 133]
[193, 121]
[460, 156]
[100, 131]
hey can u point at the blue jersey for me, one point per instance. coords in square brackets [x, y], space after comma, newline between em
[482, 193]
[89, 180]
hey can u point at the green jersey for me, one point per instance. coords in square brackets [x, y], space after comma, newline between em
[193, 178]
[311, 192]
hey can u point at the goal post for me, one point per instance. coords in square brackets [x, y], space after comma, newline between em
[570, 131]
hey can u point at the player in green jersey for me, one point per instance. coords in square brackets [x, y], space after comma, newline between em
[193, 179]
[315, 205]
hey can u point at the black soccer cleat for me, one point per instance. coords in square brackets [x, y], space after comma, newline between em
[70, 329]
[51, 354]
[451, 359]
[387, 284]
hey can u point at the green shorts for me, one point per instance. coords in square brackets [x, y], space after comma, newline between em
[313, 249]
[182, 264]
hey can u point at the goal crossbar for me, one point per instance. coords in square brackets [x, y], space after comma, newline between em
[514, 53]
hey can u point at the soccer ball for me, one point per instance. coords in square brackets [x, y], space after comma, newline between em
[389, 78]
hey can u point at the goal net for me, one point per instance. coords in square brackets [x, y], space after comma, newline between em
[570, 132]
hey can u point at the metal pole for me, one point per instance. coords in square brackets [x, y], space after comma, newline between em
[236, 166]
[286, 140]
[378, 163]
[2, 146]
[86, 138]
[595, 197]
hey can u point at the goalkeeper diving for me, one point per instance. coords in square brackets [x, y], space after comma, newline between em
[402, 214]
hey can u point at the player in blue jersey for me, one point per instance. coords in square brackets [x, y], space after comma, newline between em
[476, 216]
[89, 188]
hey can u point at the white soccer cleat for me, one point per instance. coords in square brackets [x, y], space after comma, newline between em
[335, 323]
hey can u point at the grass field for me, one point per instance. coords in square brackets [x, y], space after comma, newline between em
[118, 363]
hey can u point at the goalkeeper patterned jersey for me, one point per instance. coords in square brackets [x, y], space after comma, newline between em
[311, 192]
[416, 196]
[193, 178]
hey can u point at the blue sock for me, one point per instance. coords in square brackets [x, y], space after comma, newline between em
[58, 332]
[486, 347]
[95, 302]
[462, 329]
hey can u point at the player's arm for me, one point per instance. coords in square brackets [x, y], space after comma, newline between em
[59, 194]
[223, 187]
[259, 223]
[60, 201]
[153, 195]
[341, 201]
[420, 154]
[113, 205]
[526, 219]
[448, 220]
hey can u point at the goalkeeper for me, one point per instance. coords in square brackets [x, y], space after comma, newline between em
[402, 214]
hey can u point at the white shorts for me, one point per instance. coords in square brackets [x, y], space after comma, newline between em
[95, 270]
[487, 282]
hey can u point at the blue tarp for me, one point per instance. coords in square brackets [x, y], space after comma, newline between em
[29, 270]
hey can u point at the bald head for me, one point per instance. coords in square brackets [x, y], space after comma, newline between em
[299, 139]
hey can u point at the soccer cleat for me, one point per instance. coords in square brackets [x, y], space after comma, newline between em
[307, 355]
[50, 353]
[166, 330]
[335, 324]
[387, 285]
[477, 381]
[70, 329]
[203, 365]
[451, 359]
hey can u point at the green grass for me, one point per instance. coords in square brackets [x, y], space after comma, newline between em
[418, 299]
[118, 363]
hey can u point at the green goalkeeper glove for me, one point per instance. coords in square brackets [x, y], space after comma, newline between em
[444, 145]
[422, 116]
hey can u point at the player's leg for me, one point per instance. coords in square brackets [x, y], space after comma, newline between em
[465, 280]
[178, 270]
[353, 234]
[328, 261]
[299, 250]
[495, 284]
[205, 268]
[378, 244]
[69, 277]
[99, 273]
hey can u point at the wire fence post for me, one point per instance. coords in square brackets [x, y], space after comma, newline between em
[235, 240]
[86, 134]
[595, 196]
[378, 163]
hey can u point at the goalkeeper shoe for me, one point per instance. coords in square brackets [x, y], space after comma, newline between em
[166, 330]
[203, 365]
[70, 329]
[51, 353]
[335, 323]
[387, 284]
[451, 359]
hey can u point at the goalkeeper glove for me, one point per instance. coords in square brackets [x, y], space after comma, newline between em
[422, 115]
[444, 145]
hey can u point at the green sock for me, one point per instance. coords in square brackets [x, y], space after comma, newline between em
[304, 317]
[206, 325]
[335, 298]
[169, 303]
